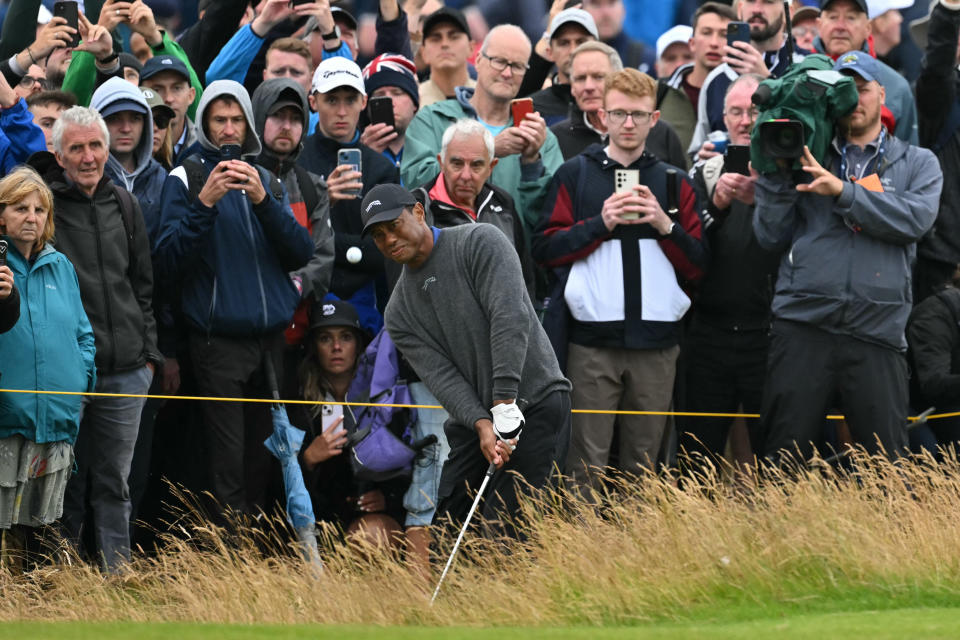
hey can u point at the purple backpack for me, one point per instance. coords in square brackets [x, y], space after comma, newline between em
[380, 444]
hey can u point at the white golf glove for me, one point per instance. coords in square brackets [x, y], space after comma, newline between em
[507, 421]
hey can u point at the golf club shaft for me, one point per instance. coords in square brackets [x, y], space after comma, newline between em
[476, 501]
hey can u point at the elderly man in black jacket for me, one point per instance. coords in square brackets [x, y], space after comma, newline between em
[101, 230]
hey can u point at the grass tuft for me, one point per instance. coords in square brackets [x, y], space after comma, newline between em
[883, 536]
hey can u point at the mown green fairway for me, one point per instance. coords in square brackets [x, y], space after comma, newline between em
[894, 624]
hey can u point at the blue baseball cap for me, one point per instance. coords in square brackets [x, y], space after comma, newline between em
[157, 64]
[860, 63]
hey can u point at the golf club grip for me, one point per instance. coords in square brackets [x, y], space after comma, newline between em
[672, 207]
[271, 376]
[424, 442]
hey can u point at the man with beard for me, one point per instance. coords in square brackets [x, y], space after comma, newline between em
[765, 55]
[843, 293]
[680, 90]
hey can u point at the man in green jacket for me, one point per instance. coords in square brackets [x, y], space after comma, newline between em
[528, 152]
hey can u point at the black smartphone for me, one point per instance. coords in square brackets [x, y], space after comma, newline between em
[737, 32]
[737, 159]
[350, 157]
[69, 11]
[230, 152]
[381, 110]
[3, 253]
[294, 3]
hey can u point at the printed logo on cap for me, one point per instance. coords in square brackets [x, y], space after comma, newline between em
[329, 310]
[166, 61]
[372, 205]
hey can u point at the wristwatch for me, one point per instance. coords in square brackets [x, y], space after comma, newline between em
[333, 35]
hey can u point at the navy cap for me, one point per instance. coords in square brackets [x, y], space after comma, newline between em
[333, 313]
[383, 203]
[157, 64]
[122, 105]
[860, 63]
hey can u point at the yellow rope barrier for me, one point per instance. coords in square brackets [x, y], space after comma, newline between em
[619, 412]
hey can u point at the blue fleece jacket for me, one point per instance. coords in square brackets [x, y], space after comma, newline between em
[232, 259]
[19, 136]
[238, 54]
[50, 348]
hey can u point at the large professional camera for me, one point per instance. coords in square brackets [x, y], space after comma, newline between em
[798, 109]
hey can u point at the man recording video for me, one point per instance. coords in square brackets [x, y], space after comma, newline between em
[843, 292]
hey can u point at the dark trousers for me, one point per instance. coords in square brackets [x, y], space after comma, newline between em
[541, 451]
[809, 367]
[241, 469]
[724, 370]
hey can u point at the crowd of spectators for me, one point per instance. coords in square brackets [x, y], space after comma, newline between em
[186, 209]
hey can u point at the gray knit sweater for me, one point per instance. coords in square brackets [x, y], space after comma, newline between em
[463, 320]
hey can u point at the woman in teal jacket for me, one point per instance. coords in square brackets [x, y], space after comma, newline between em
[51, 348]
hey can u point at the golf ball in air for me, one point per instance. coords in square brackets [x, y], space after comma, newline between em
[354, 255]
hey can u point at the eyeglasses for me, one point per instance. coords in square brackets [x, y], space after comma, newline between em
[736, 113]
[618, 116]
[27, 82]
[801, 31]
[499, 64]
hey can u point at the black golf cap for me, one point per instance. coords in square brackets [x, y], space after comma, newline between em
[158, 64]
[383, 203]
[333, 313]
[445, 14]
[861, 4]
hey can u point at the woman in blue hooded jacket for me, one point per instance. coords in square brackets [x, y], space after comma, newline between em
[51, 348]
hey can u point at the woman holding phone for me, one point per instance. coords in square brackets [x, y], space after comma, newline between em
[51, 348]
[333, 348]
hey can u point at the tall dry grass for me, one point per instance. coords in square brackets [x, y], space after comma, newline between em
[886, 532]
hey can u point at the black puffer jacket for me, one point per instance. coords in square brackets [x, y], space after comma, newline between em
[116, 280]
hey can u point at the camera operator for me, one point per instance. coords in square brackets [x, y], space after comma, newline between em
[725, 348]
[843, 293]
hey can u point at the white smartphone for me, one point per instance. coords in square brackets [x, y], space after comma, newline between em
[329, 414]
[625, 180]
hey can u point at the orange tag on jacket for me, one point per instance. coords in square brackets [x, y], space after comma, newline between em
[871, 183]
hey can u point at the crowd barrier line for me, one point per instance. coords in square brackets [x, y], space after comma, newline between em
[619, 412]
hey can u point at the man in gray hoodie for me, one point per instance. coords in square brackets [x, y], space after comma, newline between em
[461, 316]
[130, 164]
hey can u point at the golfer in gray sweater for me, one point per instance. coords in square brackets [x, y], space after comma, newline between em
[461, 317]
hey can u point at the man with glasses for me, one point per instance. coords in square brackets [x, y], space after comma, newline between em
[725, 346]
[621, 263]
[528, 152]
